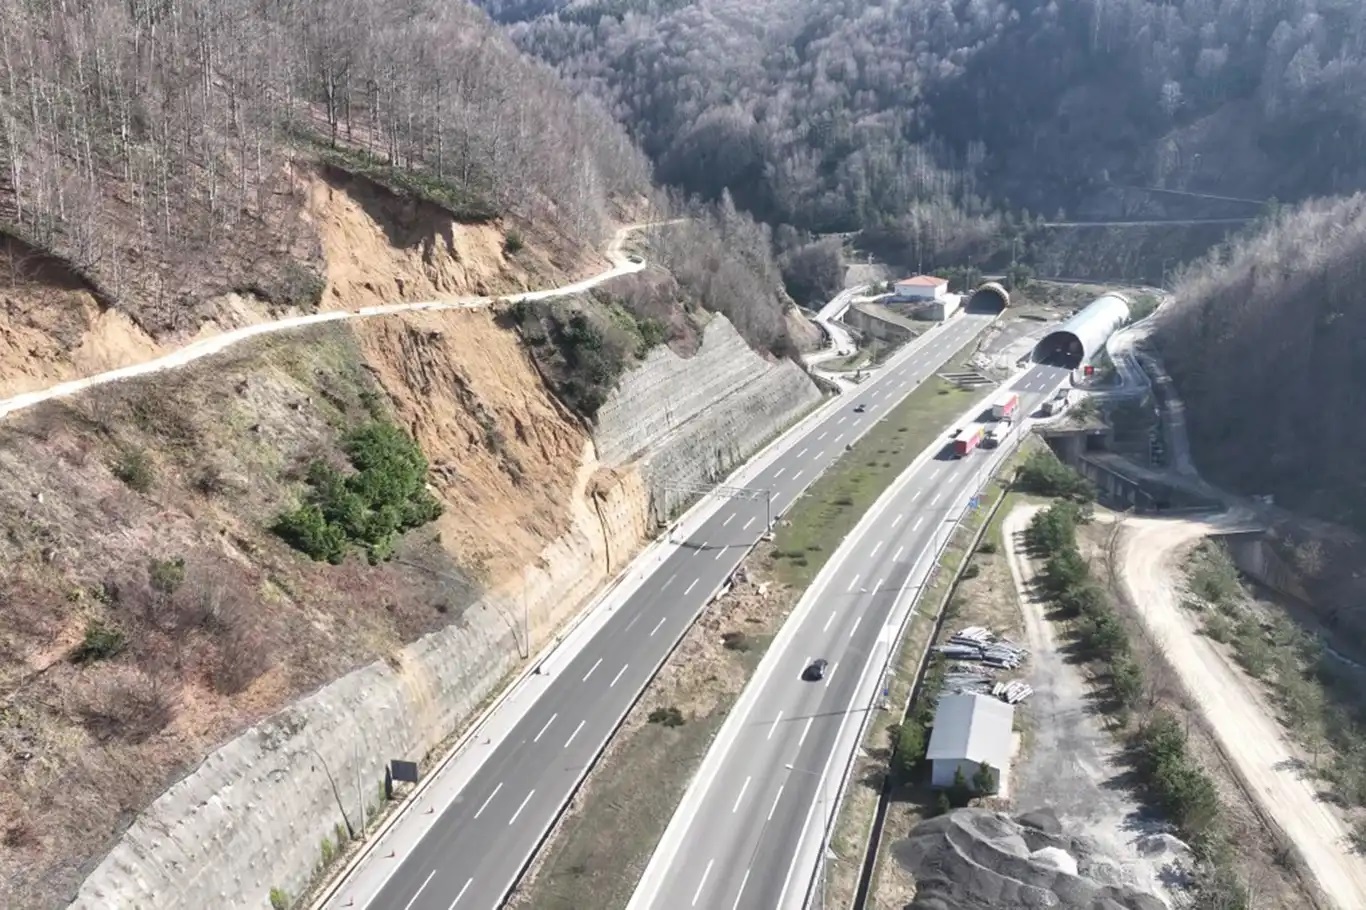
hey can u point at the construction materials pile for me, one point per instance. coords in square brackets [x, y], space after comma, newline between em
[979, 644]
[1012, 692]
[975, 859]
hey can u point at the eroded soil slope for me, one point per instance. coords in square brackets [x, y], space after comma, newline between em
[147, 612]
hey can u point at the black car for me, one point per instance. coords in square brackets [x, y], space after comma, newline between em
[815, 670]
[860, 408]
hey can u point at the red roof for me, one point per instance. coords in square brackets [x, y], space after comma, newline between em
[924, 281]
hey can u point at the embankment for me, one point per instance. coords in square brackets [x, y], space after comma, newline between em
[261, 811]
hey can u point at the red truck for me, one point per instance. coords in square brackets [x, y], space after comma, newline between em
[968, 440]
[1004, 408]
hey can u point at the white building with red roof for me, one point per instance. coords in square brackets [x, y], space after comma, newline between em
[921, 287]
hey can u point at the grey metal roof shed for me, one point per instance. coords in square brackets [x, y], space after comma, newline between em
[973, 727]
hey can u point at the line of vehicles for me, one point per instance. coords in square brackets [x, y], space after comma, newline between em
[995, 424]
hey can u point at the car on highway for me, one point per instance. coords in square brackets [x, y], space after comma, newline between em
[860, 408]
[815, 670]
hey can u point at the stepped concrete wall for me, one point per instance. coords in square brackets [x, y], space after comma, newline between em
[254, 814]
[693, 420]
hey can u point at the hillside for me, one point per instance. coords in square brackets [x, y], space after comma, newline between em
[1265, 343]
[919, 121]
[409, 502]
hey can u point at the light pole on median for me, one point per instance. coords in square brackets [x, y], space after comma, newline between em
[825, 826]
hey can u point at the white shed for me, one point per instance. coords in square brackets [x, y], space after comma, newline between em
[971, 730]
[921, 287]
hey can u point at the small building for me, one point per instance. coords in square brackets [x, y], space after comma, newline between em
[939, 309]
[921, 287]
[971, 730]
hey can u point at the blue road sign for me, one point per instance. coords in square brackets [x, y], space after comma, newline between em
[972, 503]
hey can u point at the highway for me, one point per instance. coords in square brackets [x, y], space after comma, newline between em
[738, 839]
[478, 847]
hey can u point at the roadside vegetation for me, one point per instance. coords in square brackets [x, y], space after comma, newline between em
[599, 850]
[1158, 742]
[384, 496]
[966, 587]
[1317, 696]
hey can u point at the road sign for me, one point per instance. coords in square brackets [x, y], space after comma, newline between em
[974, 502]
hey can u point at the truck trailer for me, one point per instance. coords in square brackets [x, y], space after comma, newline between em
[1004, 408]
[968, 440]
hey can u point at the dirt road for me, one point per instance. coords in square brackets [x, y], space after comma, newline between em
[622, 264]
[1150, 552]
[1074, 766]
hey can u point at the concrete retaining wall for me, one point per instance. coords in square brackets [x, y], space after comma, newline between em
[692, 420]
[254, 814]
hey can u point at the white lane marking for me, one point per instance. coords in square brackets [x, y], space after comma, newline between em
[774, 807]
[801, 453]
[671, 578]
[896, 521]
[828, 622]
[618, 676]
[877, 546]
[876, 585]
[857, 620]
[743, 787]
[917, 522]
[538, 736]
[741, 893]
[720, 551]
[413, 900]
[797, 476]
[489, 800]
[778, 473]
[468, 882]
[728, 518]
[574, 734]
[521, 807]
[690, 587]
[591, 669]
[915, 495]
[841, 420]
[820, 454]
[839, 437]
[935, 499]
[777, 720]
[805, 730]
[823, 435]
[833, 667]
[852, 583]
[702, 884]
[634, 620]
[747, 524]
[897, 555]
[656, 628]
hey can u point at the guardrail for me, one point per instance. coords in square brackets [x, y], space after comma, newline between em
[1001, 455]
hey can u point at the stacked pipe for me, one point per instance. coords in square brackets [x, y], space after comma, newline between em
[977, 643]
[1012, 692]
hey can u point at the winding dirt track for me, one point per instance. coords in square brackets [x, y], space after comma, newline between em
[621, 265]
[1234, 706]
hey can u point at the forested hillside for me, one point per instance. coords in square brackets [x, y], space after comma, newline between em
[919, 118]
[156, 147]
[1267, 344]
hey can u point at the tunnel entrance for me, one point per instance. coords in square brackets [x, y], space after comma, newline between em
[1060, 349]
[991, 299]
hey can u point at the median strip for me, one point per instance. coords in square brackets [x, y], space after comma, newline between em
[606, 837]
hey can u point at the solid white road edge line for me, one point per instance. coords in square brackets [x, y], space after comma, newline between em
[407, 829]
[651, 879]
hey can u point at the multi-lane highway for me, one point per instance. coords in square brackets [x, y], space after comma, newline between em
[737, 835]
[477, 849]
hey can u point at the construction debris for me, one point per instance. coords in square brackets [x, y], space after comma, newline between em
[979, 644]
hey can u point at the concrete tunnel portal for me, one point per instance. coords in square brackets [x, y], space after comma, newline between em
[1081, 337]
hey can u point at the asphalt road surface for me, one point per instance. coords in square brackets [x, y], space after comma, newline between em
[738, 848]
[479, 847]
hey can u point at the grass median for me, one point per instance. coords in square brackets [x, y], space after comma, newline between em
[850, 840]
[601, 847]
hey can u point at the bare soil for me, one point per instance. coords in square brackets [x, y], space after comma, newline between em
[252, 624]
[1244, 727]
[1074, 765]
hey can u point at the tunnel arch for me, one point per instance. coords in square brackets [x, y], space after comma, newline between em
[1081, 337]
[990, 297]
